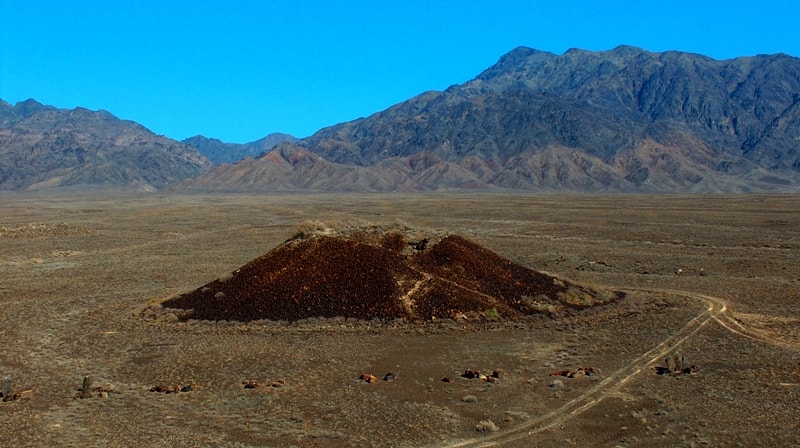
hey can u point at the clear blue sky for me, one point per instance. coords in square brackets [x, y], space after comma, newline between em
[241, 70]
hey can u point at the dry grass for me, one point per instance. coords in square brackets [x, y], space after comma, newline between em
[71, 308]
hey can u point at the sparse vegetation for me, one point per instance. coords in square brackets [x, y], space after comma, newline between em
[539, 305]
[63, 320]
[491, 314]
[309, 228]
[575, 296]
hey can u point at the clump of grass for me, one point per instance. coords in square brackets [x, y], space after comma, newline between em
[309, 228]
[539, 305]
[491, 314]
[225, 277]
[577, 297]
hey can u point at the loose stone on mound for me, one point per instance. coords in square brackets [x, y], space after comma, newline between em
[371, 273]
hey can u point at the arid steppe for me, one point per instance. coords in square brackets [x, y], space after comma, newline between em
[714, 279]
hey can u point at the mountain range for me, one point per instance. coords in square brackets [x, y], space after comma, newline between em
[42, 147]
[623, 120]
[220, 152]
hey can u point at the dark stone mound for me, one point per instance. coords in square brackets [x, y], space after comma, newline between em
[382, 274]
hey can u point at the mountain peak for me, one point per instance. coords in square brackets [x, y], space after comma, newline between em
[29, 107]
[514, 60]
[46, 147]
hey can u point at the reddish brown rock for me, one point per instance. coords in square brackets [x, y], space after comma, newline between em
[251, 384]
[164, 389]
[367, 378]
[366, 275]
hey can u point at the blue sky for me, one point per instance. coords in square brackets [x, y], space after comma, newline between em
[238, 71]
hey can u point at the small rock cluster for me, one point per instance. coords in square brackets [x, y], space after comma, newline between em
[254, 384]
[7, 395]
[476, 374]
[172, 389]
[368, 378]
[87, 391]
[577, 373]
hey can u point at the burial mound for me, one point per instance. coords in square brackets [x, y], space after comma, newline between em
[386, 273]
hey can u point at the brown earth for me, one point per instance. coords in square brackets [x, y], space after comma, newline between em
[710, 281]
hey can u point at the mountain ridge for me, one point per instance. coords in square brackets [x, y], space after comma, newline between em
[42, 147]
[715, 125]
[622, 120]
[220, 152]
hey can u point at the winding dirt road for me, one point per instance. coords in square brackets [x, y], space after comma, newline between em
[718, 311]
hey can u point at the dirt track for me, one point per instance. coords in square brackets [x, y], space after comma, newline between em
[717, 311]
[715, 278]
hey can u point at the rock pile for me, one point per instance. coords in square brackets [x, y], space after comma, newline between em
[370, 272]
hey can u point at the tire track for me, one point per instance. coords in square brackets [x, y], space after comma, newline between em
[717, 311]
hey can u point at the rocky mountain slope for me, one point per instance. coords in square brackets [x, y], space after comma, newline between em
[44, 147]
[623, 120]
[220, 152]
[619, 120]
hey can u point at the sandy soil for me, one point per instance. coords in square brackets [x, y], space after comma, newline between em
[715, 279]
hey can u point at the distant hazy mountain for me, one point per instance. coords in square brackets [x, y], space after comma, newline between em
[620, 120]
[220, 152]
[43, 147]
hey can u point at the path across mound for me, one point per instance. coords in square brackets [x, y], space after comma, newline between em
[368, 273]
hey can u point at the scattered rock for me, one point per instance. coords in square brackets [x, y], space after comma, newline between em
[12, 397]
[189, 388]
[389, 376]
[470, 374]
[251, 384]
[486, 426]
[164, 389]
[579, 372]
[675, 366]
[87, 391]
[446, 379]
[469, 399]
[84, 394]
[556, 384]
[419, 245]
[367, 378]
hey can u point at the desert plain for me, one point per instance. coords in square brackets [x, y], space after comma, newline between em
[713, 280]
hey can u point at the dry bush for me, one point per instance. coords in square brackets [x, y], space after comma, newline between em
[486, 426]
[539, 305]
[309, 228]
[577, 297]
[394, 241]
